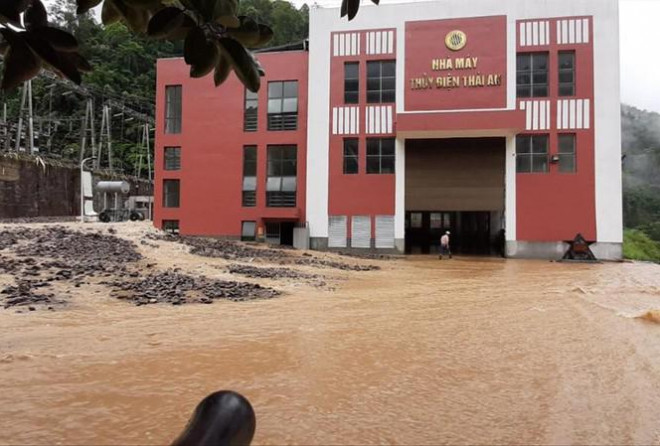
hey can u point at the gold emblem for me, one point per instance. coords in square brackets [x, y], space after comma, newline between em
[455, 40]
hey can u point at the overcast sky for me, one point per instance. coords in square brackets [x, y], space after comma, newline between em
[640, 39]
[640, 66]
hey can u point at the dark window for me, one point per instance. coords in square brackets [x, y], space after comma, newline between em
[416, 220]
[380, 155]
[381, 85]
[532, 75]
[281, 183]
[531, 153]
[351, 82]
[250, 118]
[567, 153]
[249, 176]
[567, 73]
[351, 155]
[172, 158]
[171, 226]
[283, 105]
[173, 109]
[248, 231]
[171, 192]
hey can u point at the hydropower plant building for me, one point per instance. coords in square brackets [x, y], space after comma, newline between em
[496, 120]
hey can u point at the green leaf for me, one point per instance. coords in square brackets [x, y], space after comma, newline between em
[165, 22]
[245, 67]
[48, 54]
[265, 35]
[144, 4]
[182, 31]
[135, 18]
[35, 15]
[110, 13]
[86, 5]
[10, 12]
[78, 61]
[199, 53]
[20, 64]
[195, 40]
[247, 33]
[225, 10]
[350, 8]
[58, 39]
[228, 21]
[222, 69]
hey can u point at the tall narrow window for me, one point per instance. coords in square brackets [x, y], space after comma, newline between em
[532, 75]
[567, 153]
[172, 156]
[380, 155]
[173, 109]
[281, 184]
[250, 115]
[283, 105]
[381, 85]
[249, 231]
[351, 155]
[249, 198]
[171, 193]
[351, 82]
[531, 153]
[567, 73]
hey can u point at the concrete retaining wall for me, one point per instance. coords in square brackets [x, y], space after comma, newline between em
[30, 187]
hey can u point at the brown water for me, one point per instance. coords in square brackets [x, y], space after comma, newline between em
[422, 352]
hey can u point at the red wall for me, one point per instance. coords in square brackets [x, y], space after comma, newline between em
[212, 141]
[556, 206]
[425, 41]
[361, 193]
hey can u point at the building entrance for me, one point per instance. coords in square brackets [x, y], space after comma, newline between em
[471, 232]
[455, 185]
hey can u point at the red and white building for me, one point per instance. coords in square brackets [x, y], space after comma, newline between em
[496, 120]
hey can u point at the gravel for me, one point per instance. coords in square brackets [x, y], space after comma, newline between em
[269, 273]
[177, 289]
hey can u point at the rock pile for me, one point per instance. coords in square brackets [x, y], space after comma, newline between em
[239, 251]
[268, 273]
[322, 263]
[50, 254]
[24, 294]
[177, 289]
[366, 255]
[60, 243]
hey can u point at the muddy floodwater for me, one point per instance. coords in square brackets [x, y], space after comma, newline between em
[422, 351]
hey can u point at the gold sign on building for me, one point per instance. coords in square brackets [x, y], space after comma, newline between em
[455, 40]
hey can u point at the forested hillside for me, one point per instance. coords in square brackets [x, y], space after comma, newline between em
[124, 70]
[641, 179]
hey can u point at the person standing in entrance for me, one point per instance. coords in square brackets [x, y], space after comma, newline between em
[444, 245]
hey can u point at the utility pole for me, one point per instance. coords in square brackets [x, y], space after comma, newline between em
[19, 130]
[88, 126]
[105, 137]
[50, 118]
[30, 118]
[5, 131]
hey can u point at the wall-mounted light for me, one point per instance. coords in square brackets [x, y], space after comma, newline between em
[554, 159]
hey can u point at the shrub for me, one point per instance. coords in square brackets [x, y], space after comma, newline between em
[638, 246]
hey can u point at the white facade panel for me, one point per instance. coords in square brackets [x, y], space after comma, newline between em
[361, 231]
[337, 232]
[385, 231]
